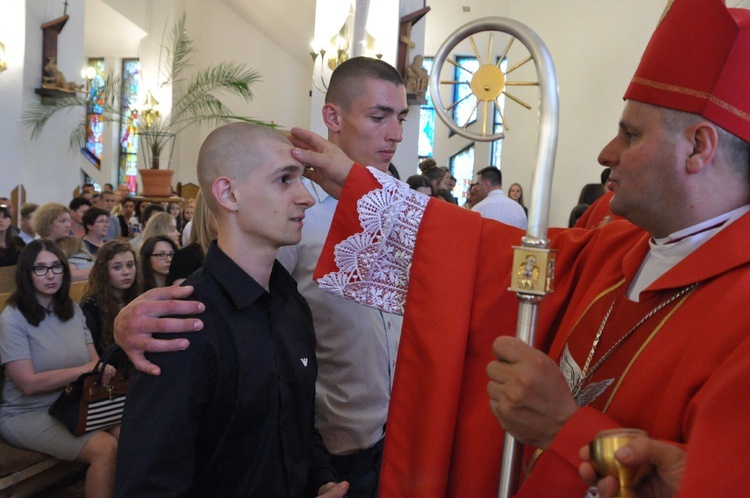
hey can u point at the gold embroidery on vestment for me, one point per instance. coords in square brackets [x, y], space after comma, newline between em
[694, 93]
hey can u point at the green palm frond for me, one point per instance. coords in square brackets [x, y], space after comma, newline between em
[225, 77]
[179, 51]
[77, 138]
[37, 115]
[195, 101]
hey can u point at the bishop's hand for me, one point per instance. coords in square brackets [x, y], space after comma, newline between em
[328, 166]
[528, 393]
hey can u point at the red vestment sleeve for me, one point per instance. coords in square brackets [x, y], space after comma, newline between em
[442, 439]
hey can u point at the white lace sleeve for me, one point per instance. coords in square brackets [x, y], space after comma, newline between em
[373, 265]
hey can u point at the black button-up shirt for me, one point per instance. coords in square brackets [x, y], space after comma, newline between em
[233, 414]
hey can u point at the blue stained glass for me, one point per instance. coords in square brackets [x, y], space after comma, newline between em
[94, 123]
[128, 165]
[464, 112]
[426, 120]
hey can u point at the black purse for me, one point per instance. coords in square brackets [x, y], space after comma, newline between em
[86, 405]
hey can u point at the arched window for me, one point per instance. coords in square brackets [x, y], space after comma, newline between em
[127, 170]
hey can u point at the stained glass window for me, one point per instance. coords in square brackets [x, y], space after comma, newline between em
[128, 165]
[465, 111]
[497, 145]
[94, 147]
[461, 166]
[426, 120]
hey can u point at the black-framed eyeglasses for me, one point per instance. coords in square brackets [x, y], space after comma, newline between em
[41, 271]
[163, 255]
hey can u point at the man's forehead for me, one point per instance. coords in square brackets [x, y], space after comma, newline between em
[373, 91]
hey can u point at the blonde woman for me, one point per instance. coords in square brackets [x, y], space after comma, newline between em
[190, 258]
[52, 221]
[161, 224]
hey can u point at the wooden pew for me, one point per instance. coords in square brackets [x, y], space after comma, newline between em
[7, 278]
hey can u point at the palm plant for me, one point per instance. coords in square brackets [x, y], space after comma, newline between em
[194, 100]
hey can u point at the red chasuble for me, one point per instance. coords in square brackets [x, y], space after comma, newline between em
[682, 374]
[598, 214]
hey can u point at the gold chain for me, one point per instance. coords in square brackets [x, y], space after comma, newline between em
[585, 373]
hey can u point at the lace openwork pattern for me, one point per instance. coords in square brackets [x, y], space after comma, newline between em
[373, 265]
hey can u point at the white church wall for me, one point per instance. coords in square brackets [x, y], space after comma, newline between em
[596, 48]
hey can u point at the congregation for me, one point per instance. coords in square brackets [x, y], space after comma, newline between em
[110, 255]
[271, 370]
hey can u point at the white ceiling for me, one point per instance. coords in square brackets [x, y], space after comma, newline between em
[289, 23]
[108, 32]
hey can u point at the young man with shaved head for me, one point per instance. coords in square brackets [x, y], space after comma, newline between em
[356, 345]
[233, 414]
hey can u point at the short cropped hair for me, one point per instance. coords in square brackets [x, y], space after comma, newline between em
[78, 202]
[232, 150]
[492, 175]
[90, 217]
[27, 209]
[346, 80]
[735, 150]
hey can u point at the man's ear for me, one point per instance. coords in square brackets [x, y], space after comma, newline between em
[705, 140]
[332, 117]
[222, 189]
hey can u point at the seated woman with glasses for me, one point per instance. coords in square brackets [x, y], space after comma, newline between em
[155, 258]
[45, 345]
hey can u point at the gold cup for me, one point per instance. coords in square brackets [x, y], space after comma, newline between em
[603, 450]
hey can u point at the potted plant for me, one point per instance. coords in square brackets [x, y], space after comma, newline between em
[194, 101]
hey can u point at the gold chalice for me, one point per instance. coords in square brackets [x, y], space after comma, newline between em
[602, 451]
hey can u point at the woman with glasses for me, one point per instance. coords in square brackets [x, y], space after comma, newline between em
[10, 245]
[95, 224]
[44, 345]
[113, 283]
[155, 258]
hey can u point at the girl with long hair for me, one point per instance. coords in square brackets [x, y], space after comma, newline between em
[45, 345]
[155, 258]
[113, 283]
[515, 192]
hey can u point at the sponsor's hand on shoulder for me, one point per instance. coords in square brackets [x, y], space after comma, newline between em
[141, 318]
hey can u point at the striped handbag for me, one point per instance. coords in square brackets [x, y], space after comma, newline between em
[86, 405]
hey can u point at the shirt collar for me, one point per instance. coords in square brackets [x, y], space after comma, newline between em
[705, 229]
[241, 288]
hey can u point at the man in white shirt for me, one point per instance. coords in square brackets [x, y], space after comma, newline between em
[496, 205]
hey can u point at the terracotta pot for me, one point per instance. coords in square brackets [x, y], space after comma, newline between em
[156, 182]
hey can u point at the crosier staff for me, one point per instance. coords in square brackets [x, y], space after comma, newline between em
[532, 274]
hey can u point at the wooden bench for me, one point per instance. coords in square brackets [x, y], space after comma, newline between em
[28, 473]
[7, 278]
